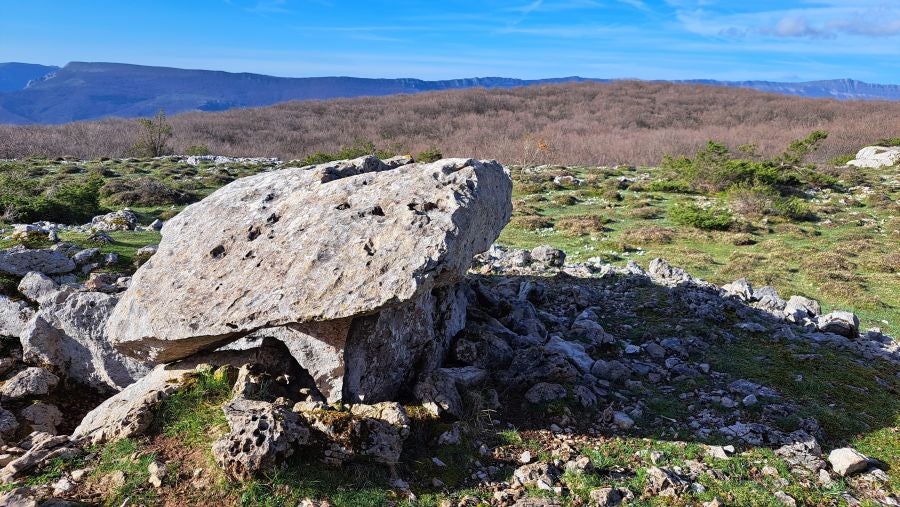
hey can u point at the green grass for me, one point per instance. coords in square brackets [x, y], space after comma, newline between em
[125, 456]
[783, 253]
[193, 413]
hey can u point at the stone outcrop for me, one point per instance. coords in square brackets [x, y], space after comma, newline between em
[354, 265]
[67, 335]
[262, 434]
[876, 157]
[130, 412]
[309, 245]
[18, 261]
[122, 220]
[29, 383]
[14, 315]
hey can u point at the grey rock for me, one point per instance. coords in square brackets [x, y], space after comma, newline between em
[19, 261]
[19, 497]
[14, 315]
[130, 412]
[665, 483]
[374, 432]
[86, 256]
[156, 225]
[37, 287]
[548, 255]
[573, 351]
[839, 322]
[438, 394]
[42, 417]
[612, 370]
[29, 383]
[8, 423]
[799, 308]
[122, 220]
[847, 461]
[544, 392]
[42, 448]
[663, 272]
[330, 242]
[739, 288]
[67, 333]
[623, 420]
[540, 475]
[143, 254]
[262, 434]
[785, 499]
[466, 377]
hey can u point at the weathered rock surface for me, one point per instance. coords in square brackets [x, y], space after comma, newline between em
[8, 423]
[847, 461]
[839, 322]
[42, 447]
[13, 316]
[37, 287]
[67, 334]
[28, 383]
[42, 417]
[375, 432]
[316, 244]
[876, 156]
[19, 261]
[130, 412]
[122, 220]
[262, 434]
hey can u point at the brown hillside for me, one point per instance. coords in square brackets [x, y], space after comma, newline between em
[588, 123]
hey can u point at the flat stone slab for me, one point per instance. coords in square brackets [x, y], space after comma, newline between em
[312, 244]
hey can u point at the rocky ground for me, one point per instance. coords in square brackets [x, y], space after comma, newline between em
[571, 383]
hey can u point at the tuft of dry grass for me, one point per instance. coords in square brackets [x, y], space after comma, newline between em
[581, 225]
[531, 222]
[651, 234]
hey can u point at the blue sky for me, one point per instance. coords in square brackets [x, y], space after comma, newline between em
[786, 40]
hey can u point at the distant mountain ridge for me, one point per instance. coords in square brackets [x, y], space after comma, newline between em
[15, 76]
[82, 90]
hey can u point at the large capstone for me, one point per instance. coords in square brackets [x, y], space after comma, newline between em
[356, 266]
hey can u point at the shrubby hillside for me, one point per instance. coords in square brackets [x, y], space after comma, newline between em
[584, 123]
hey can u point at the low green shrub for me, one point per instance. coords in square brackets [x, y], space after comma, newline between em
[360, 148]
[672, 186]
[706, 219]
[143, 192]
[197, 150]
[430, 155]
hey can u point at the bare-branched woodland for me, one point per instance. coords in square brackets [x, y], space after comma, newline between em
[588, 123]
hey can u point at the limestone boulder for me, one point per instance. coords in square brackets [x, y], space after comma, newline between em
[130, 412]
[876, 157]
[67, 335]
[122, 220]
[309, 245]
[37, 287]
[29, 383]
[18, 261]
[14, 315]
[262, 434]
[839, 322]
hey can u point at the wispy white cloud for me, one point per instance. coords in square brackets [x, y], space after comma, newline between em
[827, 19]
[637, 4]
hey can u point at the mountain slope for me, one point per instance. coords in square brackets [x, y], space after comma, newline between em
[15, 76]
[841, 89]
[81, 91]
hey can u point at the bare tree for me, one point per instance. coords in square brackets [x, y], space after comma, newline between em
[154, 137]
